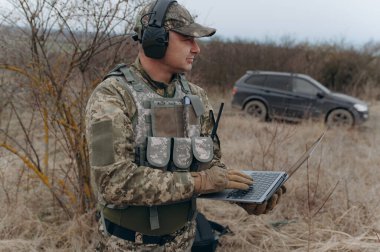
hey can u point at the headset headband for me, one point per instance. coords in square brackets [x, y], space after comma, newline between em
[159, 12]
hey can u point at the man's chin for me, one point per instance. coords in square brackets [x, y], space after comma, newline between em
[189, 67]
[185, 69]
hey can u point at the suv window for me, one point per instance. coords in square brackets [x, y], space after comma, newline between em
[278, 82]
[257, 80]
[304, 87]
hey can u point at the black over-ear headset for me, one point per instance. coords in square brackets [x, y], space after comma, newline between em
[154, 38]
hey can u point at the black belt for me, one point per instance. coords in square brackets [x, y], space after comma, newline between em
[130, 235]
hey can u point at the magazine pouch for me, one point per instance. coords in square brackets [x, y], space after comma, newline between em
[158, 151]
[182, 153]
[203, 151]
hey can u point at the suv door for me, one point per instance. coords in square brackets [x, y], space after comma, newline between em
[250, 86]
[277, 89]
[303, 101]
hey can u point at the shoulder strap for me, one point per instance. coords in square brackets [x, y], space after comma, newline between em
[128, 75]
[115, 71]
[185, 84]
[123, 70]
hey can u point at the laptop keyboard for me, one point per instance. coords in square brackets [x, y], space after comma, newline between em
[261, 183]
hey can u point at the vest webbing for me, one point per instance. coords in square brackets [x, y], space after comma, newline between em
[123, 70]
[154, 220]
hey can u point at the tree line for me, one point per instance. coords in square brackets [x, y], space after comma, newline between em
[338, 66]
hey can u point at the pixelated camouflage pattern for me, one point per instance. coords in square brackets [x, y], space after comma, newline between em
[182, 152]
[142, 127]
[124, 183]
[192, 123]
[202, 148]
[183, 241]
[177, 19]
[158, 151]
[147, 94]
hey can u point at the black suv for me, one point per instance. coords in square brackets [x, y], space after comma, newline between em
[290, 96]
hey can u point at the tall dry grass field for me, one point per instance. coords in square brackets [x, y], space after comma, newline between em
[332, 203]
[53, 54]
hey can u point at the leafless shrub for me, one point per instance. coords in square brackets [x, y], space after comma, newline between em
[56, 52]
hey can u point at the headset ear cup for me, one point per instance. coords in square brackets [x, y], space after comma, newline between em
[155, 42]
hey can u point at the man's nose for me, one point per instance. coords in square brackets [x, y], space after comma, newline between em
[195, 47]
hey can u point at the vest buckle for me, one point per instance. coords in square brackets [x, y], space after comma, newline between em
[139, 238]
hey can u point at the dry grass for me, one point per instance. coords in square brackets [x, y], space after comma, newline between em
[332, 203]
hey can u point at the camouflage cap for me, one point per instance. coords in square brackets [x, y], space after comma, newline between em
[177, 19]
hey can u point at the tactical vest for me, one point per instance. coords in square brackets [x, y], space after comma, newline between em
[167, 137]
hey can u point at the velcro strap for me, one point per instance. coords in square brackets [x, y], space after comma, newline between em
[102, 143]
[153, 218]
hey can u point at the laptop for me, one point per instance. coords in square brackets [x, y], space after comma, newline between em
[265, 183]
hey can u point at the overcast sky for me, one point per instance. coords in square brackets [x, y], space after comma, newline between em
[354, 21]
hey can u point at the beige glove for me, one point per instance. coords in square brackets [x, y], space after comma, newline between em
[217, 179]
[257, 209]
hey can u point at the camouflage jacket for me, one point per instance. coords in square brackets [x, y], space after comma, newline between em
[119, 180]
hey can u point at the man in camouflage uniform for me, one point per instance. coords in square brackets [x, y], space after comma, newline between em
[132, 186]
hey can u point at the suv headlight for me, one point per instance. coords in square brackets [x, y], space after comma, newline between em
[361, 107]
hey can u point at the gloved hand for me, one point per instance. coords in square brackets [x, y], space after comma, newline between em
[257, 209]
[217, 179]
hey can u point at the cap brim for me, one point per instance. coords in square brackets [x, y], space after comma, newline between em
[195, 30]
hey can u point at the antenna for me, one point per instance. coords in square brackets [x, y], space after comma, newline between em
[215, 128]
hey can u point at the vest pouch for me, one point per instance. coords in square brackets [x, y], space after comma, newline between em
[203, 150]
[167, 118]
[158, 151]
[182, 154]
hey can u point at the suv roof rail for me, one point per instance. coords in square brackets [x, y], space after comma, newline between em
[253, 71]
[274, 72]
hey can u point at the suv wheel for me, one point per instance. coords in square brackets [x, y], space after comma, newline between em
[340, 117]
[257, 109]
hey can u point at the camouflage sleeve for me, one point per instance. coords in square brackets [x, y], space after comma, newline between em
[207, 125]
[115, 177]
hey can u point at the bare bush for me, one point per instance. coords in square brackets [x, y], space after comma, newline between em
[53, 54]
